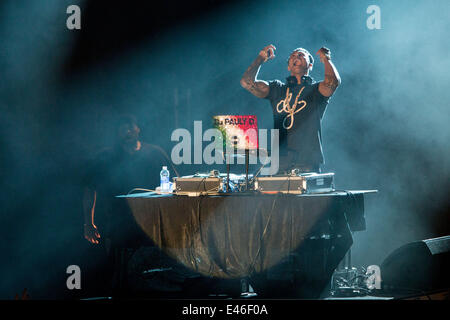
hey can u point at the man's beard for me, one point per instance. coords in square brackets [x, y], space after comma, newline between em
[130, 142]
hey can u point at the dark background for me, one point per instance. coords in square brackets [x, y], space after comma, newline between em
[171, 63]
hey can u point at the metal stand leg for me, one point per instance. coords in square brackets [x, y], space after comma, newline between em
[228, 177]
[244, 285]
[348, 256]
[346, 262]
[247, 152]
[246, 289]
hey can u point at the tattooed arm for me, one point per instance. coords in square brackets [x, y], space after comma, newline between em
[259, 88]
[332, 79]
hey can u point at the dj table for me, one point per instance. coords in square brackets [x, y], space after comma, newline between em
[239, 235]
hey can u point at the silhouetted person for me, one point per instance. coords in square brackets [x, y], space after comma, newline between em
[298, 105]
[130, 163]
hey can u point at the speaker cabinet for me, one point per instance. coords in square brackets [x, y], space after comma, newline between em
[418, 267]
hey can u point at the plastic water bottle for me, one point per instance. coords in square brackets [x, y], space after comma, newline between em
[165, 181]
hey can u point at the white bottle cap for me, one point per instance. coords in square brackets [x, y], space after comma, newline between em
[164, 167]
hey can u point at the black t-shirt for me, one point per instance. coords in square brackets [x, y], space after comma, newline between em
[298, 112]
[114, 172]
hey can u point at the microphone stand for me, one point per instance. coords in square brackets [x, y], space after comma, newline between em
[228, 171]
[247, 155]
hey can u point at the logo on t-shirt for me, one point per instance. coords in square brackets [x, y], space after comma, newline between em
[284, 106]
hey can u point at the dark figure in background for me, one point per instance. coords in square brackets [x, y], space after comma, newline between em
[130, 163]
[298, 105]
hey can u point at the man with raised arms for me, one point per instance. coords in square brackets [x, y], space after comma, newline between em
[298, 105]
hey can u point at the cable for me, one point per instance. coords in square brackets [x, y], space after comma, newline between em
[204, 187]
[148, 190]
[140, 189]
[252, 265]
[257, 173]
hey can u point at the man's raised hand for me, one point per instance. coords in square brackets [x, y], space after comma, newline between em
[324, 54]
[268, 52]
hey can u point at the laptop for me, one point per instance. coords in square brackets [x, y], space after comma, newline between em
[239, 132]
